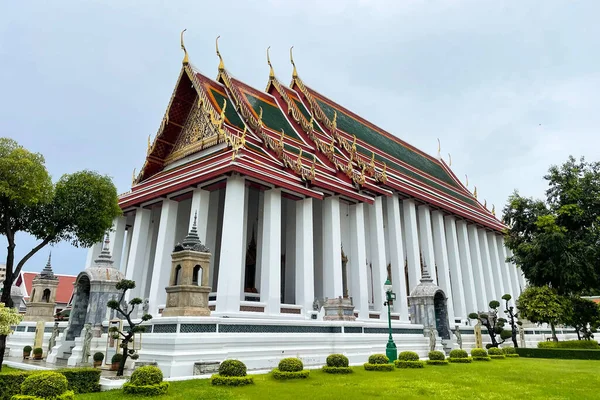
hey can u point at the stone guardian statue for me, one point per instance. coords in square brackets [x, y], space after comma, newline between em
[87, 343]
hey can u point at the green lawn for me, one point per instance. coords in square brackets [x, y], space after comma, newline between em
[498, 379]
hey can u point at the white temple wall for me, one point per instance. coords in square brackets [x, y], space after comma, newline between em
[318, 247]
[376, 241]
[148, 272]
[184, 215]
[395, 255]
[346, 235]
[289, 228]
[411, 239]
[215, 224]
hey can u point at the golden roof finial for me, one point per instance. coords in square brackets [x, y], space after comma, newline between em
[372, 163]
[221, 63]
[282, 136]
[260, 123]
[354, 143]
[271, 72]
[186, 59]
[485, 203]
[299, 160]
[149, 145]
[294, 72]
[449, 160]
[493, 210]
[475, 192]
[133, 178]
[439, 149]
[467, 183]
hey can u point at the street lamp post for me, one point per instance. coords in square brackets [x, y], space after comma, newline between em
[390, 349]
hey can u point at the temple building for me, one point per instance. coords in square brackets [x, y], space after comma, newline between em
[300, 200]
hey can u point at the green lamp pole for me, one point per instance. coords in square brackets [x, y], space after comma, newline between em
[390, 349]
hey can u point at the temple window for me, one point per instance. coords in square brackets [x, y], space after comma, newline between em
[177, 275]
[46, 296]
[197, 276]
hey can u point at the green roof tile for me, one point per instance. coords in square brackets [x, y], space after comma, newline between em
[230, 113]
[272, 117]
[393, 148]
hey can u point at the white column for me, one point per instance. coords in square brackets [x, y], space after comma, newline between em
[486, 262]
[426, 240]
[117, 239]
[478, 269]
[200, 205]
[137, 254]
[508, 287]
[305, 275]
[412, 243]
[93, 253]
[231, 260]
[357, 260]
[289, 224]
[165, 243]
[270, 285]
[377, 243]
[125, 258]
[497, 268]
[441, 260]
[467, 267]
[456, 271]
[259, 239]
[394, 226]
[332, 248]
[513, 272]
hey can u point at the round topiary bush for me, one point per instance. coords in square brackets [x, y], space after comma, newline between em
[38, 351]
[148, 375]
[378, 359]
[290, 365]
[408, 356]
[116, 358]
[27, 349]
[437, 355]
[479, 353]
[459, 353]
[337, 360]
[99, 356]
[494, 351]
[47, 384]
[232, 368]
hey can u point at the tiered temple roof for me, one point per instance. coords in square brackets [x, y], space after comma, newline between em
[291, 137]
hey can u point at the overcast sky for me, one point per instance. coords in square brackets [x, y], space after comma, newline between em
[509, 87]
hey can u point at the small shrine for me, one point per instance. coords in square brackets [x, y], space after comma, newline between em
[43, 295]
[187, 294]
[427, 306]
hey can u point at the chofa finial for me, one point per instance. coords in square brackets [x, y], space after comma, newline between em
[439, 149]
[271, 72]
[294, 72]
[186, 59]
[475, 192]
[449, 160]
[221, 63]
[467, 182]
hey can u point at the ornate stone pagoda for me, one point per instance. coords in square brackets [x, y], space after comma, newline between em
[427, 305]
[43, 295]
[187, 295]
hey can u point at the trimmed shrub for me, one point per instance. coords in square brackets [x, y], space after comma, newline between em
[219, 380]
[82, 380]
[148, 375]
[378, 359]
[116, 358]
[459, 353]
[408, 356]
[337, 360]
[46, 384]
[437, 362]
[480, 355]
[570, 344]
[99, 356]
[436, 355]
[27, 349]
[68, 395]
[10, 383]
[565, 354]
[409, 364]
[378, 367]
[38, 351]
[337, 370]
[146, 390]
[283, 375]
[461, 360]
[290, 365]
[232, 368]
[496, 353]
[510, 352]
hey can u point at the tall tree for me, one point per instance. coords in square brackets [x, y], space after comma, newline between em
[584, 316]
[543, 304]
[78, 209]
[556, 242]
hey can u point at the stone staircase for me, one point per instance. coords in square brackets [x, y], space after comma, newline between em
[62, 361]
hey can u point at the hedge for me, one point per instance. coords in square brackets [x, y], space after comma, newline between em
[232, 368]
[82, 380]
[290, 365]
[378, 367]
[337, 360]
[408, 356]
[459, 353]
[219, 380]
[44, 384]
[437, 362]
[459, 360]
[570, 344]
[146, 390]
[477, 358]
[409, 364]
[284, 375]
[147, 375]
[10, 383]
[496, 353]
[566, 354]
[378, 359]
[337, 370]
[68, 395]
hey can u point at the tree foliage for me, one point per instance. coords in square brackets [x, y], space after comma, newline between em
[79, 208]
[8, 317]
[583, 315]
[126, 310]
[493, 324]
[512, 321]
[544, 305]
[556, 242]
